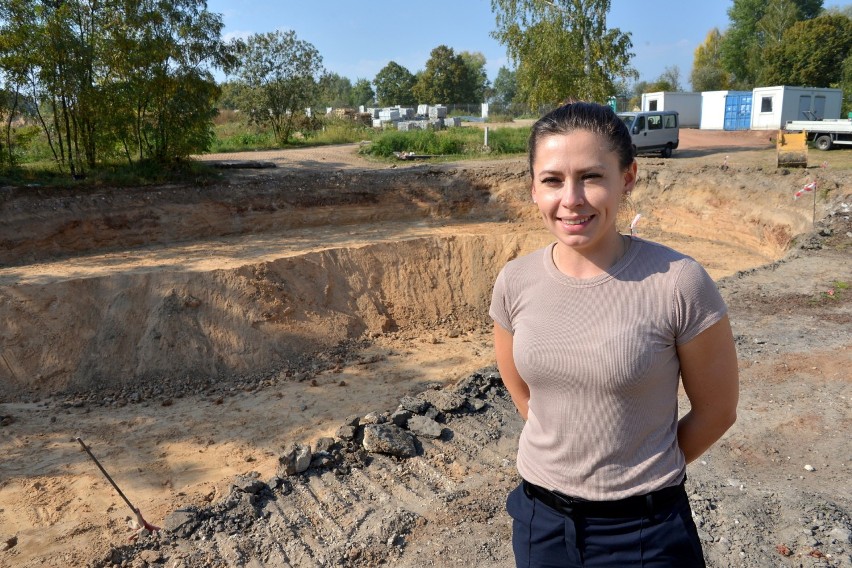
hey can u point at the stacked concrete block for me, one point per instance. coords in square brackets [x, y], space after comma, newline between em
[374, 112]
[390, 114]
[377, 123]
[405, 112]
[411, 125]
[453, 122]
[422, 110]
[436, 123]
[437, 111]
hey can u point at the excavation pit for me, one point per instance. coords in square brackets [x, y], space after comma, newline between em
[188, 334]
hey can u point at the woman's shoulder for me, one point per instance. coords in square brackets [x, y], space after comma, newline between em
[523, 270]
[658, 254]
[678, 268]
[531, 261]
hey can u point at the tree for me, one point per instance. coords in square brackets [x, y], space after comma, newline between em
[846, 84]
[231, 94]
[562, 49]
[446, 79]
[115, 75]
[394, 84]
[505, 87]
[362, 93]
[752, 24]
[777, 18]
[334, 91]
[161, 52]
[475, 63]
[669, 79]
[281, 74]
[812, 53]
[707, 71]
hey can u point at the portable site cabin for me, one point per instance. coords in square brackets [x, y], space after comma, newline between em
[726, 110]
[688, 105]
[773, 107]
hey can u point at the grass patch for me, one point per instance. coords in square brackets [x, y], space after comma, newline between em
[47, 175]
[453, 142]
[834, 293]
[235, 136]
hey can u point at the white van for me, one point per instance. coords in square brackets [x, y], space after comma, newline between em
[653, 131]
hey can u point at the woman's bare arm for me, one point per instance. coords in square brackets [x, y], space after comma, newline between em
[708, 366]
[516, 386]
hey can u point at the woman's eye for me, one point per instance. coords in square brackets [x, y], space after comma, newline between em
[551, 181]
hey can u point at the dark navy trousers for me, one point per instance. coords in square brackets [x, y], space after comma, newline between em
[543, 537]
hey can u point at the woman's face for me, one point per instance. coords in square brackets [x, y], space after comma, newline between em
[578, 186]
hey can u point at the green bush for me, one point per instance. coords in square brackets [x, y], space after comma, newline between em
[463, 141]
[243, 141]
[341, 131]
[500, 118]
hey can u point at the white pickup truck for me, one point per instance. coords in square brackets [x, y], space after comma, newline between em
[826, 133]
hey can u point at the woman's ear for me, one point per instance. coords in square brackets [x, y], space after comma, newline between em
[630, 177]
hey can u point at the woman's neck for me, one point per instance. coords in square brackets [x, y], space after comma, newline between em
[580, 265]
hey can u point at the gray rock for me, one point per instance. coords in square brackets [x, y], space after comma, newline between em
[476, 404]
[321, 459]
[346, 433]
[400, 416]
[181, 523]
[151, 556]
[389, 439]
[324, 444]
[248, 484]
[444, 401]
[414, 404]
[296, 459]
[352, 420]
[426, 427]
[373, 418]
[841, 534]
[433, 413]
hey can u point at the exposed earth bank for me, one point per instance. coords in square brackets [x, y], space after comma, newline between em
[191, 335]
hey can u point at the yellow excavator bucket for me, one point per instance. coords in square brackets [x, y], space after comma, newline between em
[792, 149]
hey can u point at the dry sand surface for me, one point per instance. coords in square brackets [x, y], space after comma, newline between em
[189, 334]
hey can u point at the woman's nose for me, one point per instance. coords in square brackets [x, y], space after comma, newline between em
[572, 194]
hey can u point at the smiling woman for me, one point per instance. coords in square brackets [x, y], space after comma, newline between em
[592, 334]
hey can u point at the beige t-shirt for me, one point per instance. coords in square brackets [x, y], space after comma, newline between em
[599, 356]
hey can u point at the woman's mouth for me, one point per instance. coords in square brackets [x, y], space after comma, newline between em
[575, 221]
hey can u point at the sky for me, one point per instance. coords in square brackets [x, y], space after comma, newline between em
[357, 39]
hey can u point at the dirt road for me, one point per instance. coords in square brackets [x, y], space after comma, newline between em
[191, 334]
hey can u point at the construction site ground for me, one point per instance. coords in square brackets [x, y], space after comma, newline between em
[190, 333]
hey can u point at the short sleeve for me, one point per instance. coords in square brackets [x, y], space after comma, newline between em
[499, 310]
[698, 303]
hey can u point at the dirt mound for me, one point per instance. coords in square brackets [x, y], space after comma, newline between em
[191, 334]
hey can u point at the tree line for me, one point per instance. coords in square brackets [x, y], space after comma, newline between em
[132, 80]
[111, 79]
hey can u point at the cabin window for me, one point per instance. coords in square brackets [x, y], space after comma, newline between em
[652, 105]
[766, 104]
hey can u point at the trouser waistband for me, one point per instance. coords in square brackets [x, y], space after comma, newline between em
[636, 506]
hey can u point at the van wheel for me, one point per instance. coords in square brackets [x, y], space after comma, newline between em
[667, 151]
[824, 142]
